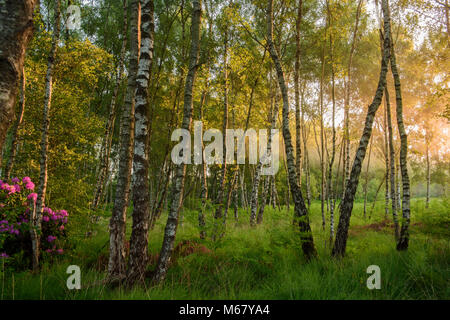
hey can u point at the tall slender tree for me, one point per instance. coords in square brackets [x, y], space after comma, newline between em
[141, 195]
[221, 191]
[346, 157]
[180, 169]
[402, 244]
[330, 191]
[298, 146]
[109, 128]
[15, 133]
[117, 225]
[301, 212]
[43, 173]
[350, 189]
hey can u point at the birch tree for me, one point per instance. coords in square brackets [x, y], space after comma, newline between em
[109, 128]
[346, 158]
[221, 189]
[180, 169]
[301, 212]
[15, 134]
[141, 196]
[403, 241]
[43, 162]
[16, 30]
[350, 189]
[117, 225]
[298, 147]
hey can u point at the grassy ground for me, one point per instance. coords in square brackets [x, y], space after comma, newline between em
[266, 262]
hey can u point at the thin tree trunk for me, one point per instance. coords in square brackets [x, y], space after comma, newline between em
[427, 203]
[259, 217]
[117, 225]
[204, 183]
[15, 134]
[333, 139]
[350, 190]
[346, 158]
[384, 180]
[265, 191]
[300, 207]
[402, 244]
[180, 169]
[109, 130]
[141, 196]
[288, 198]
[257, 178]
[386, 159]
[306, 161]
[220, 192]
[366, 182]
[322, 143]
[43, 173]
[298, 148]
[16, 25]
[392, 164]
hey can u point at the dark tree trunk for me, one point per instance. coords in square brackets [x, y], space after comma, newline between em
[301, 212]
[402, 244]
[16, 25]
[351, 186]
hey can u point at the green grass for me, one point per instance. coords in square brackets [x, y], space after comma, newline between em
[266, 262]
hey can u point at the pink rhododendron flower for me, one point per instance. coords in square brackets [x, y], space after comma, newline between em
[11, 189]
[26, 180]
[61, 228]
[45, 218]
[32, 196]
[60, 251]
[29, 185]
[15, 180]
[51, 238]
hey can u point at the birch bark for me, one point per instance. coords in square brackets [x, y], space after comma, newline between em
[350, 189]
[180, 170]
[137, 262]
[117, 225]
[43, 174]
[16, 30]
[301, 212]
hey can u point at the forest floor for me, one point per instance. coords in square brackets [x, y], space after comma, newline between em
[265, 262]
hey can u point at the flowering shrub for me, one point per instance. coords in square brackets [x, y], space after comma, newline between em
[17, 202]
